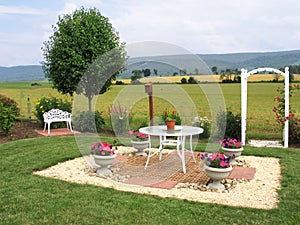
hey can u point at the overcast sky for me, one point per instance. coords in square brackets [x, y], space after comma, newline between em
[199, 26]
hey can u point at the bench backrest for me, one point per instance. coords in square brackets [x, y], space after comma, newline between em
[56, 114]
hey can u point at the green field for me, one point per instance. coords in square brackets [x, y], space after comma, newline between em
[260, 118]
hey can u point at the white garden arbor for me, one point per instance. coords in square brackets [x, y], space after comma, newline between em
[244, 90]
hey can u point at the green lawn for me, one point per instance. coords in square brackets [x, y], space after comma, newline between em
[29, 199]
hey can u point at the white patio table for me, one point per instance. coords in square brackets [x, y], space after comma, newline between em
[180, 132]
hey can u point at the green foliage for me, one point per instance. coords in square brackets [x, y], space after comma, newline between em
[170, 115]
[205, 124]
[146, 72]
[192, 80]
[10, 103]
[230, 123]
[88, 121]
[183, 80]
[120, 118]
[119, 82]
[84, 47]
[279, 110]
[137, 74]
[45, 104]
[7, 118]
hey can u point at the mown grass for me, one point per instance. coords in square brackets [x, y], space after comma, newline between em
[260, 118]
[29, 199]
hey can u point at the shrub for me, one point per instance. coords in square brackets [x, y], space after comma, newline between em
[192, 80]
[119, 82]
[205, 124]
[46, 104]
[7, 118]
[183, 80]
[232, 125]
[119, 118]
[279, 110]
[10, 103]
[88, 121]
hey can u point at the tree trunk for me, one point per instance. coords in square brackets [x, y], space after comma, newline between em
[90, 103]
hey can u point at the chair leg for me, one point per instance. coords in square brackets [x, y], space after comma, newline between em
[70, 126]
[49, 124]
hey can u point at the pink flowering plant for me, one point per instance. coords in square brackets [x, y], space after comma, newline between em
[216, 160]
[138, 136]
[231, 143]
[102, 149]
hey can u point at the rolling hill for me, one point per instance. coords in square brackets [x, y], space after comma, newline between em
[167, 65]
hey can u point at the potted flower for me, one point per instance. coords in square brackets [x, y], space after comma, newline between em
[231, 146]
[139, 141]
[104, 155]
[217, 167]
[171, 118]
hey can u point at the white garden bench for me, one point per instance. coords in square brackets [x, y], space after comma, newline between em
[57, 115]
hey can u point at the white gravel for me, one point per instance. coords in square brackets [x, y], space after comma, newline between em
[260, 192]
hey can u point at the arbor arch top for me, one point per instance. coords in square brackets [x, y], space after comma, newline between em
[244, 76]
[267, 69]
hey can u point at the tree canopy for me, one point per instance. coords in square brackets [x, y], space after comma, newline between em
[84, 54]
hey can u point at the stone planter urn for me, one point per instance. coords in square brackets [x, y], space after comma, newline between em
[217, 175]
[140, 146]
[104, 162]
[232, 151]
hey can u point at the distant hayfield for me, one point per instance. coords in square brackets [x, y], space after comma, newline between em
[206, 78]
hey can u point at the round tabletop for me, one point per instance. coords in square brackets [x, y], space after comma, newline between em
[178, 130]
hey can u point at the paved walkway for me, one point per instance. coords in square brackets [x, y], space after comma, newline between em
[58, 132]
[168, 172]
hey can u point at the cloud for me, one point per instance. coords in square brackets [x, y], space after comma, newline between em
[21, 10]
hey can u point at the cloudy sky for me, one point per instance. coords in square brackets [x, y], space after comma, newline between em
[199, 26]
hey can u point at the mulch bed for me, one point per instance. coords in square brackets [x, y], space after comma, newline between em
[21, 130]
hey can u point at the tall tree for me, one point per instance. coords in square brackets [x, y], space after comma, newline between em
[137, 74]
[147, 72]
[84, 54]
[214, 69]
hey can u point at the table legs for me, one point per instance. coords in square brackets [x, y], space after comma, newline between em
[180, 142]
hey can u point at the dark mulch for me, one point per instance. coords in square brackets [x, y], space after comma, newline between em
[21, 130]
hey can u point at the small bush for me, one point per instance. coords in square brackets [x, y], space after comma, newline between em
[46, 104]
[10, 103]
[119, 82]
[232, 125]
[120, 119]
[205, 124]
[88, 121]
[183, 80]
[192, 80]
[7, 118]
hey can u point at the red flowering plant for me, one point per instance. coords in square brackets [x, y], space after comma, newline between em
[294, 122]
[138, 136]
[103, 149]
[171, 115]
[216, 160]
[231, 143]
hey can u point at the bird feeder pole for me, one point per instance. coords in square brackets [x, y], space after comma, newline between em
[148, 90]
